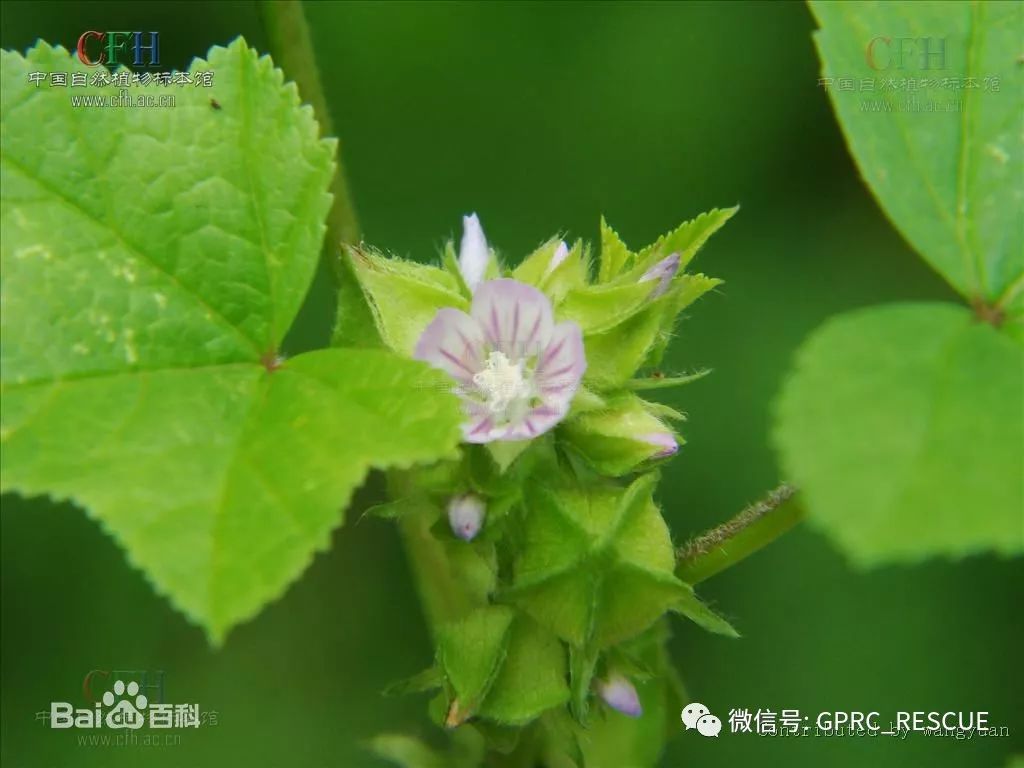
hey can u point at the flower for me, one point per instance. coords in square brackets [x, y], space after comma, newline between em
[474, 255]
[516, 371]
[619, 694]
[663, 441]
[466, 516]
[663, 272]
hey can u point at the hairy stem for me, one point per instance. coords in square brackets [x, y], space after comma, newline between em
[292, 48]
[734, 540]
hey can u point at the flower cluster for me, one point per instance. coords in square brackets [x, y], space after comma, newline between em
[546, 521]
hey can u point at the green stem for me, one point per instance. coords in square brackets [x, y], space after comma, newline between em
[439, 588]
[292, 49]
[755, 527]
[666, 381]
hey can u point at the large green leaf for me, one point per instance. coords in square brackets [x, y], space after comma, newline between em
[904, 426]
[153, 259]
[949, 180]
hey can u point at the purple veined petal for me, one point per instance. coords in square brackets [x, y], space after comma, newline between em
[453, 342]
[663, 441]
[515, 317]
[561, 254]
[466, 516]
[619, 694]
[474, 255]
[480, 425]
[663, 272]
[561, 365]
[537, 421]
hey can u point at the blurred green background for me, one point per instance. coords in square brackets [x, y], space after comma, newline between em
[541, 117]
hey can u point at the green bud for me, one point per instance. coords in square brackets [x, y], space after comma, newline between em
[621, 438]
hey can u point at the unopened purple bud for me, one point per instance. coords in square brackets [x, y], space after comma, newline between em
[663, 272]
[466, 516]
[664, 442]
[619, 694]
[561, 254]
[474, 254]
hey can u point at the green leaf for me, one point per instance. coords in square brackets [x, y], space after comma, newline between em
[615, 355]
[686, 239]
[614, 254]
[465, 750]
[532, 678]
[903, 426]
[949, 180]
[471, 652]
[404, 296]
[502, 667]
[406, 751]
[690, 606]
[153, 259]
[596, 562]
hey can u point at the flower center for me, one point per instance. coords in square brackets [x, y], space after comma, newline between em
[502, 382]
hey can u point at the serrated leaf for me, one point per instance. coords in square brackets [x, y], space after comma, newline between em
[686, 239]
[904, 428]
[153, 260]
[614, 253]
[949, 180]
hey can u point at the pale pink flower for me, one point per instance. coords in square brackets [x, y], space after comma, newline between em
[515, 369]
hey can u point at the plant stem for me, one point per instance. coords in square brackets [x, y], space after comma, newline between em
[442, 595]
[292, 48]
[755, 527]
[666, 381]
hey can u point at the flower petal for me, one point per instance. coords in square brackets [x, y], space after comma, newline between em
[474, 255]
[561, 365]
[515, 317]
[454, 343]
[536, 422]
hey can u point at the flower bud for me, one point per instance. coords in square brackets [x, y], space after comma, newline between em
[663, 272]
[619, 694]
[466, 516]
[474, 255]
[561, 254]
[665, 442]
[621, 437]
